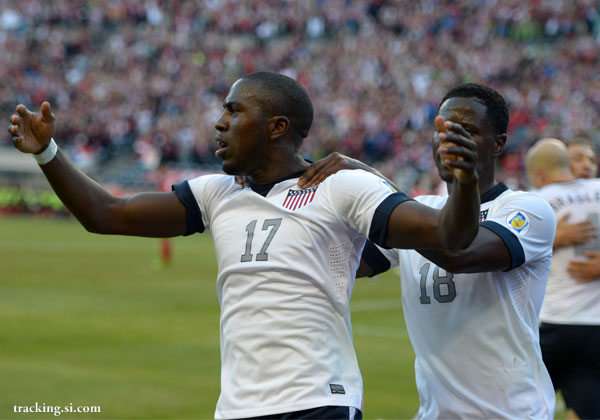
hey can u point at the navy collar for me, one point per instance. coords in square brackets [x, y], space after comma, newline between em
[493, 192]
[263, 189]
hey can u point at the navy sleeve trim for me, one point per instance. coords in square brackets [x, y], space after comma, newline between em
[193, 216]
[374, 258]
[512, 243]
[381, 217]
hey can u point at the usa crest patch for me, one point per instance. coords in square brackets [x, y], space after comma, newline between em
[296, 199]
[518, 221]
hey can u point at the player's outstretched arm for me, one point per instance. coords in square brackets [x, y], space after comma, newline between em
[148, 214]
[413, 225]
[486, 253]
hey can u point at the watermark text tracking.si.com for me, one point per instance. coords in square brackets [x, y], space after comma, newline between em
[56, 410]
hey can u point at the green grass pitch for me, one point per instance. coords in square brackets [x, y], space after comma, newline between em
[95, 320]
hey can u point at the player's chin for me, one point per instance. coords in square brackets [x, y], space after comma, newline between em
[232, 167]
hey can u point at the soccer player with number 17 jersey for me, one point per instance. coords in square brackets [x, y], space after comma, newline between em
[287, 255]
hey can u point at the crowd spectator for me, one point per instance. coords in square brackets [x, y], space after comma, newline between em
[145, 80]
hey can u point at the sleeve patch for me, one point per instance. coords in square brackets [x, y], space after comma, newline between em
[518, 221]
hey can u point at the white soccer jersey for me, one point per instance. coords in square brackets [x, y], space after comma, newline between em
[567, 301]
[287, 264]
[475, 336]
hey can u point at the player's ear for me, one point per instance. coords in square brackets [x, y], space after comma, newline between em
[499, 143]
[278, 126]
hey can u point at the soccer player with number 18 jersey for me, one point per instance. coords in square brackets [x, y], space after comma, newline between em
[472, 315]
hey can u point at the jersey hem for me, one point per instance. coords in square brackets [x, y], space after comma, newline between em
[282, 409]
[592, 323]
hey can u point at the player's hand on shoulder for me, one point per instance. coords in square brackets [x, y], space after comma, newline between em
[324, 168]
[31, 131]
[458, 150]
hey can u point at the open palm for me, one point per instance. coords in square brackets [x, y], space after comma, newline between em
[31, 131]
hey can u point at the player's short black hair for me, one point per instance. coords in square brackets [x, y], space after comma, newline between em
[496, 108]
[285, 96]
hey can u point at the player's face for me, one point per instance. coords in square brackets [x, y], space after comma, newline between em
[471, 114]
[583, 161]
[242, 130]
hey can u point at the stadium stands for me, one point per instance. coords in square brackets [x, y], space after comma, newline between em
[144, 80]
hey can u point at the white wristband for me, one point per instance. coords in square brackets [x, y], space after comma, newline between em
[48, 154]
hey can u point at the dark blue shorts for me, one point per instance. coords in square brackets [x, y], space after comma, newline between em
[572, 355]
[320, 413]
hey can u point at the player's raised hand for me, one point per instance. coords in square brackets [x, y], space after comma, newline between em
[457, 149]
[326, 167]
[31, 131]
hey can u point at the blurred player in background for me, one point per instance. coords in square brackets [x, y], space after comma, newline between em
[582, 158]
[287, 256]
[583, 164]
[473, 315]
[570, 329]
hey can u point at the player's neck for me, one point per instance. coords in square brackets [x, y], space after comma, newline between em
[561, 176]
[281, 167]
[486, 183]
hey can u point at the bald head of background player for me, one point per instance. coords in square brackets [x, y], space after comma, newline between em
[583, 159]
[265, 118]
[548, 162]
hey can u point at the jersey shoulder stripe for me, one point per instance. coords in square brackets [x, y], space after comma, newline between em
[514, 247]
[193, 215]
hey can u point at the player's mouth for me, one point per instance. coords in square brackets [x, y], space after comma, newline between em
[221, 147]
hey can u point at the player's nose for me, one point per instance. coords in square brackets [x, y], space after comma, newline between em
[221, 124]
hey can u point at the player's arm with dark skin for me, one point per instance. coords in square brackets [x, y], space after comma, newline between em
[413, 225]
[487, 252]
[146, 214]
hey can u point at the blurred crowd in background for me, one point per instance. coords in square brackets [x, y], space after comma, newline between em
[144, 81]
